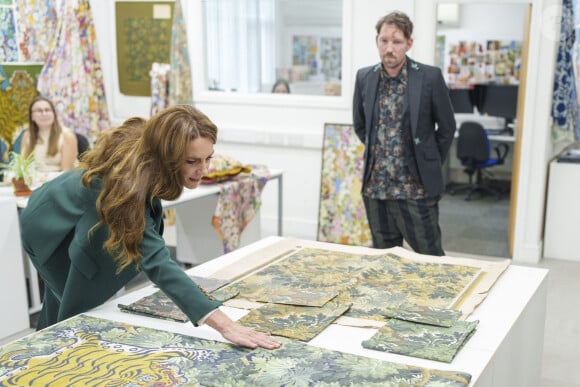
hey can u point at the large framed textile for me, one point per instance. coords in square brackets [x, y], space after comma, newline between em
[341, 215]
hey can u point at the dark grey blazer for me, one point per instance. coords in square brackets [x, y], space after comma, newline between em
[428, 104]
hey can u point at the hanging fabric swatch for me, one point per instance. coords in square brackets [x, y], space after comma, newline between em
[9, 49]
[180, 89]
[159, 87]
[564, 101]
[37, 23]
[72, 77]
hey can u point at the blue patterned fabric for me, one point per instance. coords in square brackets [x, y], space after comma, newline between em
[564, 103]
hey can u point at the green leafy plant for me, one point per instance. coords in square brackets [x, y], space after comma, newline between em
[21, 167]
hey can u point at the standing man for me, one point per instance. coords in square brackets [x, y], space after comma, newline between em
[403, 115]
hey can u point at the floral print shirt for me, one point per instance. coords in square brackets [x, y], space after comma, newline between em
[390, 177]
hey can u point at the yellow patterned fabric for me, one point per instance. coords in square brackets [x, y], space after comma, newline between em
[224, 167]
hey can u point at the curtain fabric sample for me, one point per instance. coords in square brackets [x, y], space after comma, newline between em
[156, 305]
[565, 98]
[424, 314]
[160, 306]
[180, 88]
[298, 297]
[87, 351]
[9, 50]
[37, 27]
[295, 322]
[72, 76]
[238, 202]
[341, 214]
[159, 87]
[422, 340]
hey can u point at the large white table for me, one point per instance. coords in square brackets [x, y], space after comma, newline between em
[506, 349]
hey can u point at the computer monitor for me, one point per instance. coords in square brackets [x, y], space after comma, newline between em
[497, 100]
[462, 100]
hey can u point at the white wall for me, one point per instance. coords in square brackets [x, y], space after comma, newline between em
[285, 131]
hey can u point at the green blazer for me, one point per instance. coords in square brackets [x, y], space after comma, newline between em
[78, 273]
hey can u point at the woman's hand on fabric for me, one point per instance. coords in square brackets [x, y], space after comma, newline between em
[239, 334]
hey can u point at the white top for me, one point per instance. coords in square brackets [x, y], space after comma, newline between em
[44, 162]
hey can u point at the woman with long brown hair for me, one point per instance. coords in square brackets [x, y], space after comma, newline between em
[54, 146]
[92, 229]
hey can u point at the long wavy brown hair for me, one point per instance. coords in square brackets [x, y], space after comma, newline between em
[33, 129]
[135, 168]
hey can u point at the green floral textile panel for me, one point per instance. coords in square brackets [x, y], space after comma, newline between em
[297, 297]
[373, 281]
[422, 340]
[160, 306]
[84, 351]
[295, 322]
[424, 314]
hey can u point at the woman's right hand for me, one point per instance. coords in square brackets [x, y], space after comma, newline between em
[239, 334]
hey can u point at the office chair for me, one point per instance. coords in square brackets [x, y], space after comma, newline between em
[474, 153]
[82, 144]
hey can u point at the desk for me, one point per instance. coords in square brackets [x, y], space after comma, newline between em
[196, 240]
[454, 170]
[562, 212]
[30, 274]
[506, 349]
[13, 294]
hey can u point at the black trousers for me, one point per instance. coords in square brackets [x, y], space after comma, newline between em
[416, 221]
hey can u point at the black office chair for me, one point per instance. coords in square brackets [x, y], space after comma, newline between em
[474, 153]
[82, 144]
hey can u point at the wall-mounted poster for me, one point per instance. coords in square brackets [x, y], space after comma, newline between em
[304, 51]
[472, 62]
[331, 57]
[341, 215]
[143, 37]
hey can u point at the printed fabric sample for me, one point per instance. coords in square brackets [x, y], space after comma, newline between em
[9, 51]
[373, 282]
[83, 351]
[160, 306]
[159, 84]
[156, 305]
[37, 26]
[296, 297]
[239, 201]
[180, 86]
[341, 214]
[422, 340]
[424, 314]
[72, 76]
[295, 322]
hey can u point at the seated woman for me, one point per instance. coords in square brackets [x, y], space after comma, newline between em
[54, 146]
[281, 87]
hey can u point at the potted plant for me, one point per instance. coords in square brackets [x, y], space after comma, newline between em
[21, 170]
